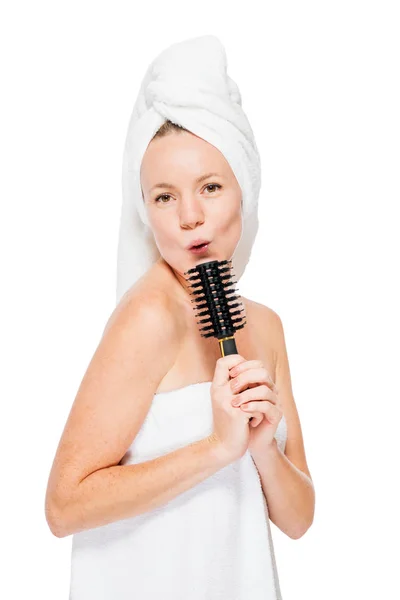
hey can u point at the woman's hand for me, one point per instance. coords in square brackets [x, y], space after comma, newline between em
[260, 401]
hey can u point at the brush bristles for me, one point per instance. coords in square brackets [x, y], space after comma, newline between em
[214, 295]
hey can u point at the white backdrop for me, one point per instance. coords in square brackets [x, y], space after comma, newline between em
[320, 85]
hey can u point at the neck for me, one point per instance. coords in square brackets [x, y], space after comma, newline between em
[183, 287]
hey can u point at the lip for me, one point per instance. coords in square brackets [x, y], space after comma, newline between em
[197, 243]
[202, 250]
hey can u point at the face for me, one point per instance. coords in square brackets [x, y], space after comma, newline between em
[185, 210]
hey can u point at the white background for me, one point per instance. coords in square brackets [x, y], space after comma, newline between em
[320, 86]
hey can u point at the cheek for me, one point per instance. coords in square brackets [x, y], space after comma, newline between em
[228, 207]
[163, 230]
[229, 220]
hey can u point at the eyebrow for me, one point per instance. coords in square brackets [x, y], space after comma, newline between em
[172, 187]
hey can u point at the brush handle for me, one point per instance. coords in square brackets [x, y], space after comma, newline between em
[228, 346]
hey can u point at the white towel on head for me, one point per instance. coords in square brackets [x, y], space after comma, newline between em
[187, 84]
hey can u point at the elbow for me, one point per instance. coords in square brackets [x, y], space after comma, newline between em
[296, 535]
[55, 528]
[300, 531]
[57, 532]
[55, 521]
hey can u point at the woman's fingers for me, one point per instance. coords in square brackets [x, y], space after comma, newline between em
[272, 412]
[250, 372]
[256, 419]
[261, 392]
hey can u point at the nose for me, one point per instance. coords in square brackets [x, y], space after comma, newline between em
[191, 212]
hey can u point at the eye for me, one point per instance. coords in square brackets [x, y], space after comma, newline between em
[162, 196]
[213, 185]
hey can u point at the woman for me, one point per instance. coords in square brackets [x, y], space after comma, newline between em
[165, 484]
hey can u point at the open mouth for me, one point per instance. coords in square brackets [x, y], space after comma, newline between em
[199, 248]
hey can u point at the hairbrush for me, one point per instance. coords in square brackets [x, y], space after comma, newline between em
[217, 300]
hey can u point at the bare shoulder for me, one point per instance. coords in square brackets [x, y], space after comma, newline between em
[271, 324]
[263, 315]
[257, 306]
[148, 302]
[153, 295]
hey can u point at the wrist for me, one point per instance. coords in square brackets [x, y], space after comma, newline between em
[268, 452]
[217, 451]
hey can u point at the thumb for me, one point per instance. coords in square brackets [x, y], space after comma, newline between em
[223, 365]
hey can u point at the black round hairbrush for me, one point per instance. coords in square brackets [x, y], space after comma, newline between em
[218, 302]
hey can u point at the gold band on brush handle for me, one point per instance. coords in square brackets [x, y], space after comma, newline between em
[221, 345]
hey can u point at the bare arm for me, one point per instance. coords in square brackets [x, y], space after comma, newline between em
[285, 476]
[87, 486]
[288, 491]
[125, 491]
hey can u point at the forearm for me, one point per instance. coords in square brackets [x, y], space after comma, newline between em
[288, 491]
[124, 491]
